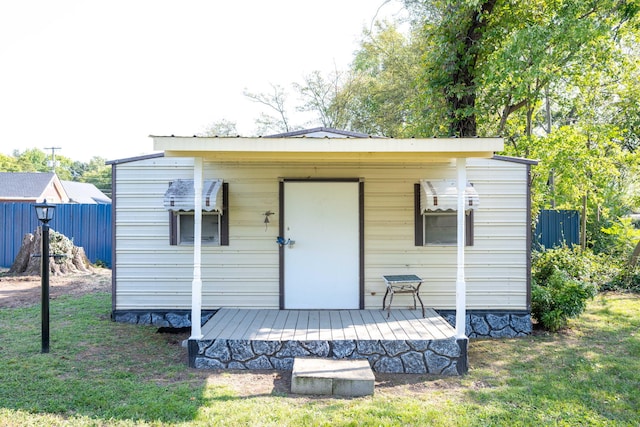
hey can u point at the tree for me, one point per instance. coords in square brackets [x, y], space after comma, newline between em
[8, 164]
[276, 101]
[221, 128]
[98, 174]
[325, 97]
[590, 170]
[382, 91]
[34, 160]
[488, 59]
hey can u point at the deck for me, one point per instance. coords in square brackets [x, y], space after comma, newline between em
[330, 325]
[270, 339]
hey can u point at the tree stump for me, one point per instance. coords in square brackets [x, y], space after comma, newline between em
[66, 258]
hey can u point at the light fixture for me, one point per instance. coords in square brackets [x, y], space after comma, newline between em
[44, 212]
[267, 214]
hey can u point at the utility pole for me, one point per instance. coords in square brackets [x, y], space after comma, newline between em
[52, 162]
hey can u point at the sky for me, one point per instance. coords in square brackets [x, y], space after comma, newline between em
[96, 78]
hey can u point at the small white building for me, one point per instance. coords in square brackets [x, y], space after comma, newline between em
[314, 219]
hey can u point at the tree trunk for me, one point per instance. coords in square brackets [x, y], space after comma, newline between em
[634, 257]
[583, 224]
[462, 105]
[65, 256]
[28, 247]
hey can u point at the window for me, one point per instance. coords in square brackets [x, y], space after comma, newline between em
[439, 228]
[215, 225]
[210, 228]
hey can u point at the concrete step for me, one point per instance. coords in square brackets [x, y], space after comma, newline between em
[343, 377]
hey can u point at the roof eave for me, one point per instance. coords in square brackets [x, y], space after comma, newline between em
[328, 149]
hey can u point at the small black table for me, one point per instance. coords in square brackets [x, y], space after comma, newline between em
[402, 284]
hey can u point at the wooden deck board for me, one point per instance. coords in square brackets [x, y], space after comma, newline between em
[372, 327]
[290, 325]
[337, 331]
[254, 326]
[302, 326]
[361, 329]
[268, 320]
[381, 320]
[242, 330]
[347, 325]
[313, 333]
[278, 325]
[326, 325]
[408, 325]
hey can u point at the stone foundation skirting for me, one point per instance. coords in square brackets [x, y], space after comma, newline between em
[441, 357]
[161, 319]
[493, 324]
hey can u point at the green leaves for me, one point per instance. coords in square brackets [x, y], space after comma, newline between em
[35, 160]
[559, 299]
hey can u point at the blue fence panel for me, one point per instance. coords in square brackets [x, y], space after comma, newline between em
[87, 225]
[557, 228]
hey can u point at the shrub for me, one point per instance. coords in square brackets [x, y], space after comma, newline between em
[581, 265]
[101, 264]
[624, 281]
[559, 298]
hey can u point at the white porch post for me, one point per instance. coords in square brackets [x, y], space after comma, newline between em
[461, 286]
[196, 284]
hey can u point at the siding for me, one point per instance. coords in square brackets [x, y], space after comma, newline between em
[152, 274]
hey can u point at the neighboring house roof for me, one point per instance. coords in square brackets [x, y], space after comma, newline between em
[31, 186]
[84, 192]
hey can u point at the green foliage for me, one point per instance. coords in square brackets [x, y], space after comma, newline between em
[584, 162]
[576, 264]
[381, 92]
[623, 236]
[560, 80]
[558, 299]
[8, 164]
[101, 264]
[564, 279]
[95, 171]
[32, 160]
[624, 281]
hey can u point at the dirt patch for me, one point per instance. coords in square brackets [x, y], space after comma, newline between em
[246, 384]
[24, 291]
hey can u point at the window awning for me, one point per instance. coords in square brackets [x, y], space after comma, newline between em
[180, 196]
[442, 195]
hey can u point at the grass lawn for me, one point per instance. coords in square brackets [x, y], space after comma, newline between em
[104, 373]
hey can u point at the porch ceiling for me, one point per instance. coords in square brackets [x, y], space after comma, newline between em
[376, 150]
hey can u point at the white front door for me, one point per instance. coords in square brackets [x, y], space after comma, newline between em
[321, 269]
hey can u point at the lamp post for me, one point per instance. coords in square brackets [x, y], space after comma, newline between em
[44, 212]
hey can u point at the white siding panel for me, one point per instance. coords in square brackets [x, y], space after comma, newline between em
[152, 274]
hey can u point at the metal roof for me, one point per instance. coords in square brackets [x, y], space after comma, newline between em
[84, 192]
[181, 192]
[322, 132]
[442, 195]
